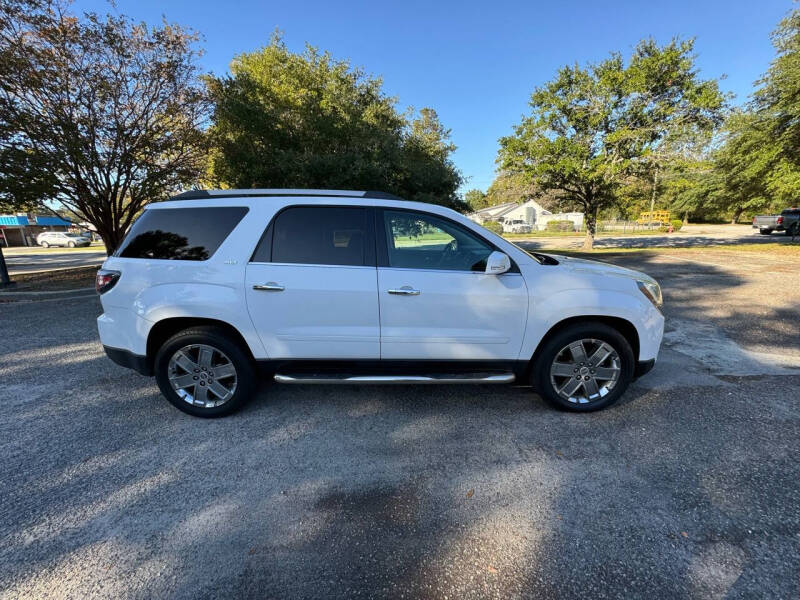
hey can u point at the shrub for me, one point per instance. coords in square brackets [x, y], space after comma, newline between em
[676, 225]
[494, 227]
[565, 225]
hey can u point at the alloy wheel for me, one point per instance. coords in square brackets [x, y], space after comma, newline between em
[202, 375]
[584, 371]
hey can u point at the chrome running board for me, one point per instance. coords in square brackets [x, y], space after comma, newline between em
[448, 378]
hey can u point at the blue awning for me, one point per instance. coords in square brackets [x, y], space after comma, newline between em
[52, 222]
[22, 221]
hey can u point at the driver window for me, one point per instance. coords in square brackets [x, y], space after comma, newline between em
[420, 241]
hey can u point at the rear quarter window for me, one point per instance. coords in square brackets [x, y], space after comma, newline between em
[180, 233]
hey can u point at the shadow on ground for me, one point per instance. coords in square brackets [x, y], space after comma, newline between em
[475, 492]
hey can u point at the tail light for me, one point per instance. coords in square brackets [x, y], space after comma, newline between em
[754, 220]
[106, 280]
[780, 220]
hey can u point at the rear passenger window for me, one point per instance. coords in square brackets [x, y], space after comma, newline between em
[319, 235]
[180, 233]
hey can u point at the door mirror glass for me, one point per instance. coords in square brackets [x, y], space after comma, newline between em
[497, 263]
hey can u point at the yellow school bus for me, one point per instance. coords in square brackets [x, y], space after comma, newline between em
[657, 216]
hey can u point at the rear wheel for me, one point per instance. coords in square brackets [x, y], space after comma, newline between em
[45, 245]
[792, 231]
[765, 231]
[71, 244]
[584, 367]
[202, 372]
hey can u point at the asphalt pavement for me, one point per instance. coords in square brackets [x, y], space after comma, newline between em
[32, 260]
[687, 488]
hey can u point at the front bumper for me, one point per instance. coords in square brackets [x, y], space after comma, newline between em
[126, 358]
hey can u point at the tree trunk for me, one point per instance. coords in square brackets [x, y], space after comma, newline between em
[111, 239]
[686, 218]
[653, 197]
[590, 216]
[736, 214]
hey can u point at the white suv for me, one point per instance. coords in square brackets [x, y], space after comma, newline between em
[213, 289]
[59, 238]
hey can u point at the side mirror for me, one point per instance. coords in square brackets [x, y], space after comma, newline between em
[497, 263]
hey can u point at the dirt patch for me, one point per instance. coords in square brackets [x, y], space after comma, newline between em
[51, 281]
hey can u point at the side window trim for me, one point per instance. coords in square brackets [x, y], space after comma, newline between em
[268, 236]
[383, 244]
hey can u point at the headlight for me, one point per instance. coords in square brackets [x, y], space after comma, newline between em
[653, 292]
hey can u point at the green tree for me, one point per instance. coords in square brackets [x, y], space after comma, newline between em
[777, 98]
[750, 174]
[591, 128]
[98, 114]
[476, 199]
[510, 187]
[307, 120]
[757, 167]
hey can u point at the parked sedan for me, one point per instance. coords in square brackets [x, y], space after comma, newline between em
[59, 238]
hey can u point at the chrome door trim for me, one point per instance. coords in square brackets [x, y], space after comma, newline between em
[406, 290]
[270, 286]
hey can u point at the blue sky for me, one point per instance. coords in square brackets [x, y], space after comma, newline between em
[476, 63]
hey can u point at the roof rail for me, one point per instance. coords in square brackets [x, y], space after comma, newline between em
[252, 193]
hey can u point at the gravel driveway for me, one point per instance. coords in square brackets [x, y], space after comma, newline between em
[687, 488]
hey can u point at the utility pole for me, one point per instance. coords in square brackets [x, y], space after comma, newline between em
[5, 280]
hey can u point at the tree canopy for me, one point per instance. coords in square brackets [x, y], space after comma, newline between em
[476, 199]
[592, 127]
[777, 97]
[755, 164]
[308, 120]
[97, 113]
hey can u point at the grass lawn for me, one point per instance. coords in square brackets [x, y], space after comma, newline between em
[432, 238]
[787, 248]
[579, 234]
[22, 250]
[783, 248]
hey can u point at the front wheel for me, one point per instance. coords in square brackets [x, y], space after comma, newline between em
[45, 245]
[204, 373]
[584, 367]
[71, 244]
[792, 231]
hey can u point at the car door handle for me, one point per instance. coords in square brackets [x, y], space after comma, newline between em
[406, 290]
[270, 286]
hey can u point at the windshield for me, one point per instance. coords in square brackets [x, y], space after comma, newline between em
[72, 235]
[542, 259]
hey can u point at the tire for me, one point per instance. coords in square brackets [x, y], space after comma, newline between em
[44, 245]
[593, 337]
[170, 361]
[792, 231]
[765, 231]
[71, 244]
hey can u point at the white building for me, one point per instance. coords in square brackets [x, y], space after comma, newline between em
[531, 213]
[575, 217]
[490, 213]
